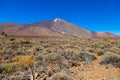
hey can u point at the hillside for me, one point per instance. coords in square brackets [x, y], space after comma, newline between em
[50, 28]
[2, 34]
[105, 34]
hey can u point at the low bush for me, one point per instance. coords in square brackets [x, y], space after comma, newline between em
[53, 58]
[38, 63]
[1, 69]
[78, 56]
[56, 59]
[115, 49]
[87, 57]
[111, 59]
[25, 42]
[68, 54]
[24, 61]
[60, 76]
[19, 53]
[12, 39]
[100, 52]
[9, 68]
[39, 57]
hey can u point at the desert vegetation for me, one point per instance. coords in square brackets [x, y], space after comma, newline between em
[59, 58]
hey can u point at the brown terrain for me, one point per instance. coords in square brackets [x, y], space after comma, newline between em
[105, 34]
[95, 71]
[50, 28]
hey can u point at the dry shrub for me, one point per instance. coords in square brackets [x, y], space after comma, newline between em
[53, 58]
[24, 61]
[60, 76]
[111, 59]
[87, 57]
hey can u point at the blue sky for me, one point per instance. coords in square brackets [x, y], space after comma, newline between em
[95, 15]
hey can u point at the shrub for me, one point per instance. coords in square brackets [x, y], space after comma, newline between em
[87, 57]
[44, 52]
[45, 45]
[24, 61]
[111, 59]
[12, 39]
[9, 68]
[1, 52]
[13, 46]
[6, 56]
[19, 53]
[9, 54]
[77, 56]
[115, 49]
[38, 63]
[1, 69]
[60, 76]
[25, 42]
[73, 63]
[32, 50]
[53, 58]
[100, 52]
[68, 54]
[39, 57]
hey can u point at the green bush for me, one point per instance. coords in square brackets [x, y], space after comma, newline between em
[9, 68]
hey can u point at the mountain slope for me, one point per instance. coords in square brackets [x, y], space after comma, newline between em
[105, 34]
[2, 34]
[56, 27]
[51, 28]
[11, 29]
